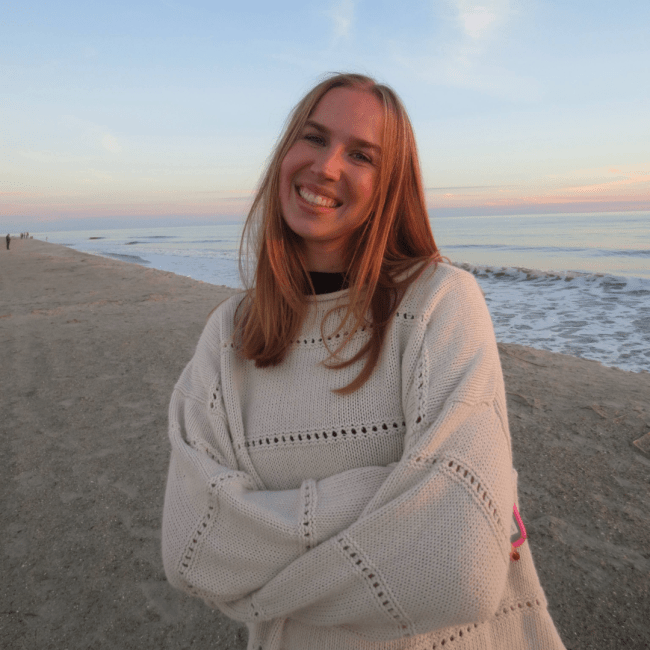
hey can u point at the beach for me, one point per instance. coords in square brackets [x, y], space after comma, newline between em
[92, 348]
[573, 284]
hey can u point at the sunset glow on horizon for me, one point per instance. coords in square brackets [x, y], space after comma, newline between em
[171, 109]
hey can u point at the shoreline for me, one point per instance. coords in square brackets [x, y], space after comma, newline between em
[560, 343]
[92, 349]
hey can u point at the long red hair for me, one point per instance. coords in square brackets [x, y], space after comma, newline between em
[394, 238]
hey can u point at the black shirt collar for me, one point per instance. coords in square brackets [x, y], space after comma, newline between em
[327, 282]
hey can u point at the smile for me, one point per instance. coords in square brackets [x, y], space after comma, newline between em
[317, 199]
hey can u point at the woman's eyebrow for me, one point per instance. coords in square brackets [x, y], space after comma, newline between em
[358, 141]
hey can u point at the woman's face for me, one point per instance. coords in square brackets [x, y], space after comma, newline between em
[328, 176]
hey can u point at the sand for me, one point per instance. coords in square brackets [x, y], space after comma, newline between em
[91, 349]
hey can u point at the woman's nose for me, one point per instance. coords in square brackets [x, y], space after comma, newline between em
[328, 163]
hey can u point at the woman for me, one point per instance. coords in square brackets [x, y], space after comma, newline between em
[341, 471]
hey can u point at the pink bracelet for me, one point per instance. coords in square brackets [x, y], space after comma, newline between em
[514, 554]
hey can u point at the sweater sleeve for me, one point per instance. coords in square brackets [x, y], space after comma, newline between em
[431, 547]
[222, 537]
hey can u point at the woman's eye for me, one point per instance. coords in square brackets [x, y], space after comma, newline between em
[316, 139]
[362, 157]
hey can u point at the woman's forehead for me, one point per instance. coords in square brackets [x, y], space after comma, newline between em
[350, 113]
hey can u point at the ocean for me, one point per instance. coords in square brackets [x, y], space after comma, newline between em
[578, 284]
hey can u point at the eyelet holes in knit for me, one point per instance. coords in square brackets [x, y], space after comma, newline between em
[529, 604]
[426, 461]
[466, 476]
[230, 475]
[471, 481]
[196, 536]
[253, 610]
[420, 382]
[206, 450]
[337, 434]
[214, 397]
[309, 341]
[374, 583]
[443, 642]
[308, 521]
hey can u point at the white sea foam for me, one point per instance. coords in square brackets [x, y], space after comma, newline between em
[599, 317]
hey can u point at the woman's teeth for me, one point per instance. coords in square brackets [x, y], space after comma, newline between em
[316, 199]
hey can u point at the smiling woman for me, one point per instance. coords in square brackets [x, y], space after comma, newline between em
[342, 193]
[341, 470]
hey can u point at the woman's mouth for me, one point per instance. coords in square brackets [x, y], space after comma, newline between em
[316, 199]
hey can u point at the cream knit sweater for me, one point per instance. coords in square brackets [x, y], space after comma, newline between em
[377, 520]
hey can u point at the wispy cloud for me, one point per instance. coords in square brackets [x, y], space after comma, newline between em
[318, 56]
[589, 187]
[457, 188]
[90, 135]
[605, 187]
[342, 15]
[110, 143]
[94, 138]
[464, 51]
[478, 19]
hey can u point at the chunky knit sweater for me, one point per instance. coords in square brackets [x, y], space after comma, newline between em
[378, 520]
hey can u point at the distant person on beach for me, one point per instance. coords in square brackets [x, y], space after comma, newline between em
[8, 240]
[341, 468]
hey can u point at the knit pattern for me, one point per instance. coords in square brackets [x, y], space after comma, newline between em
[376, 520]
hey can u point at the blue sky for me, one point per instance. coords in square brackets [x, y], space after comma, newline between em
[170, 109]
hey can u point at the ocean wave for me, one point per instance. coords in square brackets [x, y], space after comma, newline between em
[192, 253]
[555, 250]
[591, 315]
[633, 253]
[135, 259]
[577, 278]
[214, 241]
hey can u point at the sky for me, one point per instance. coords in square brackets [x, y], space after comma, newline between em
[169, 109]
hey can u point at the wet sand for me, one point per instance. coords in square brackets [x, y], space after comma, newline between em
[91, 349]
